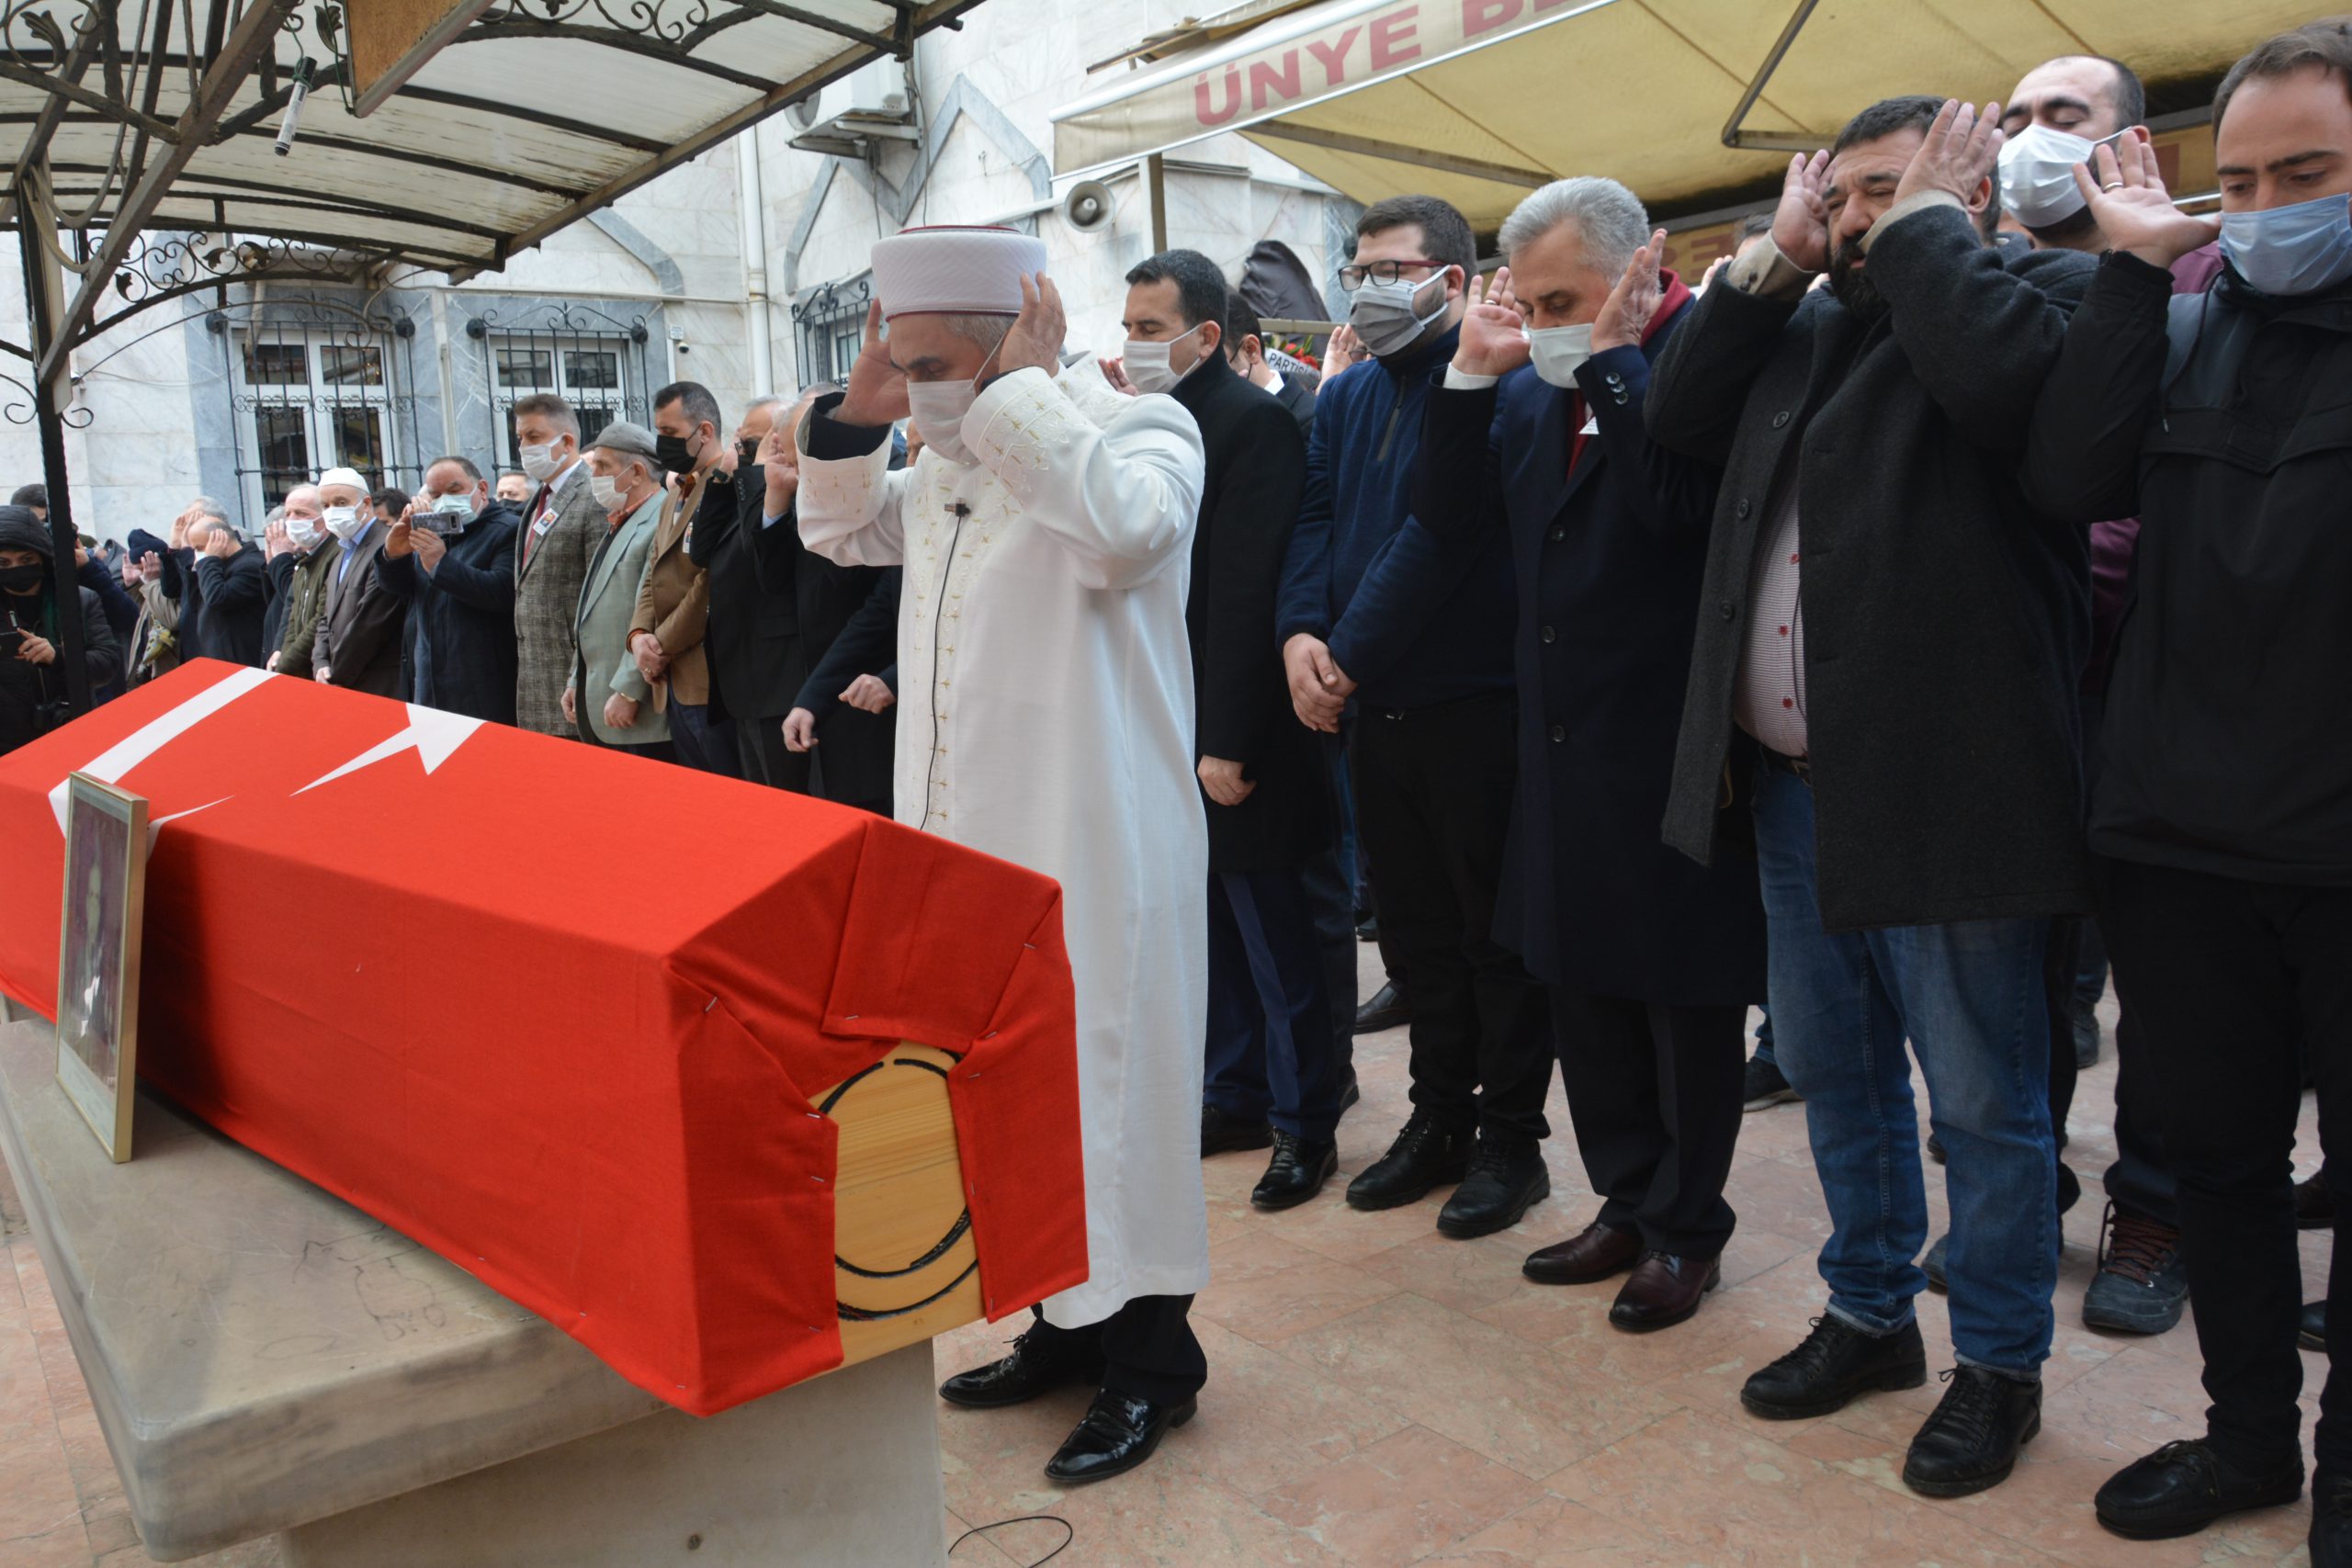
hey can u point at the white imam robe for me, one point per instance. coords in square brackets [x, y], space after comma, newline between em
[1045, 717]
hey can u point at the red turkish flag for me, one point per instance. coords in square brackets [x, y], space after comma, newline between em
[558, 1013]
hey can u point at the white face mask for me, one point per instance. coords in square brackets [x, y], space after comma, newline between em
[607, 491]
[1385, 316]
[938, 408]
[1557, 350]
[1148, 365]
[2037, 173]
[303, 532]
[541, 463]
[2288, 251]
[343, 522]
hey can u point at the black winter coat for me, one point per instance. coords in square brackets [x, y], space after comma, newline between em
[462, 617]
[1609, 559]
[1250, 500]
[754, 637]
[2225, 749]
[235, 590]
[1946, 621]
[26, 688]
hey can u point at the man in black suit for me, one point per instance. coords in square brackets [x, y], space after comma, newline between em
[1271, 1058]
[1650, 960]
[450, 558]
[753, 637]
[1245, 350]
[853, 744]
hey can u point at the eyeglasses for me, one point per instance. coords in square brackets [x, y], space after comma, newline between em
[1352, 278]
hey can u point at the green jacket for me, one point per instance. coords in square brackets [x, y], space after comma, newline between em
[308, 600]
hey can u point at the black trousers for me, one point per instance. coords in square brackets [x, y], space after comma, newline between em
[1433, 798]
[1654, 1093]
[765, 758]
[1148, 1348]
[2236, 981]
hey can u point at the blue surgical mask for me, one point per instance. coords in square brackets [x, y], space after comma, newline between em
[2288, 251]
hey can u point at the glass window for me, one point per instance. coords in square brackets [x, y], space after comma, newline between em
[278, 365]
[359, 439]
[282, 438]
[587, 369]
[531, 369]
[342, 364]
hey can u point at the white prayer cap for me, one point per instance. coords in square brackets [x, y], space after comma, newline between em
[933, 271]
[342, 476]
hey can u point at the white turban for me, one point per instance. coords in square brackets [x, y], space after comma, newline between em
[342, 476]
[933, 271]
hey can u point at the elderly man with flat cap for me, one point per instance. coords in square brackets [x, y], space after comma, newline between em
[1046, 700]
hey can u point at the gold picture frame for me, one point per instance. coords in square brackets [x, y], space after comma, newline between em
[104, 905]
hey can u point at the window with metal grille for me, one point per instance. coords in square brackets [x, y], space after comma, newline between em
[830, 326]
[595, 362]
[316, 384]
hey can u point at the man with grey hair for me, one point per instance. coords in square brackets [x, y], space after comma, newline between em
[1650, 960]
[231, 585]
[563, 526]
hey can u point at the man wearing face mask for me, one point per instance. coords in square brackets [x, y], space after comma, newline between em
[2221, 810]
[617, 708]
[1244, 342]
[1652, 962]
[562, 526]
[33, 595]
[304, 594]
[2060, 112]
[234, 589]
[673, 615]
[1890, 621]
[1046, 718]
[361, 622]
[450, 558]
[1272, 1074]
[752, 641]
[1370, 599]
[514, 490]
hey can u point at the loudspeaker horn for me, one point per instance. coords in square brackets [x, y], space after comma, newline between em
[1089, 206]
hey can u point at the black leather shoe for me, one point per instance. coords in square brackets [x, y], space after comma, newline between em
[1297, 1172]
[1971, 1443]
[1505, 1177]
[2331, 1535]
[2183, 1487]
[1836, 1362]
[1424, 1155]
[1663, 1290]
[1386, 1010]
[1117, 1433]
[2314, 1205]
[1224, 1133]
[2311, 1333]
[1350, 1095]
[1593, 1254]
[1033, 1368]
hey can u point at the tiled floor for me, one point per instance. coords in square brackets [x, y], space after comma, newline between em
[1381, 1397]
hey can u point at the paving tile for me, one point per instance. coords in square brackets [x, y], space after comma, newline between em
[1402, 1498]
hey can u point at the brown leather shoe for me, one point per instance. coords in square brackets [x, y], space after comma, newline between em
[1595, 1254]
[1665, 1289]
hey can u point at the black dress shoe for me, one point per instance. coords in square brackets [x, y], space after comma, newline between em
[1971, 1443]
[1350, 1095]
[1386, 1010]
[2183, 1487]
[1224, 1133]
[1424, 1155]
[1836, 1362]
[2314, 1205]
[2331, 1536]
[1593, 1254]
[2311, 1332]
[1037, 1365]
[1117, 1433]
[1297, 1172]
[1665, 1289]
[1505, 1177]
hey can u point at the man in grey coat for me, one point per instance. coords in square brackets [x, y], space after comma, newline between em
[608, 697]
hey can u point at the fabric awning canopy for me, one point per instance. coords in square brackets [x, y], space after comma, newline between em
[1479, 101]
[146, 115]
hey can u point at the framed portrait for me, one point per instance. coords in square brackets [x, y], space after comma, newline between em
[97, 966]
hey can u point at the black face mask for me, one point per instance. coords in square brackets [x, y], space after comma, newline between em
[672, 453]
[22, 579]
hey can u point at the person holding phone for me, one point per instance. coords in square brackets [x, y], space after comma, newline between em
[33, 697]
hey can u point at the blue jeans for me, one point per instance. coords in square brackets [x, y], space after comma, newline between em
[701, 745]
[1970, 998]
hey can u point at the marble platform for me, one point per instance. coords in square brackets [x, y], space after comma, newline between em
[265, 1360]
